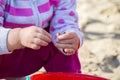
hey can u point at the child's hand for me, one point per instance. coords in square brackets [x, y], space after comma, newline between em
[34, 37]
[69, 42]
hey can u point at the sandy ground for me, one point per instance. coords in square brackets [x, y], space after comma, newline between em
[100, 22]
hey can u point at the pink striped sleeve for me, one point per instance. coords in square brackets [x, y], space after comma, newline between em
[18, 11]
[1, 2]
[2, 6]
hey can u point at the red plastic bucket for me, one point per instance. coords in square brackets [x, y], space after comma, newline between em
[64, 76]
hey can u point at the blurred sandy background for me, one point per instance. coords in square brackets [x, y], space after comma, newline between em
[100, 22]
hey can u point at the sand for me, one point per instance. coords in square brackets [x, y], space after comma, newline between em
[100, 22]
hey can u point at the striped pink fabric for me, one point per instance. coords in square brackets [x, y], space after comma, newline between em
[18, 11]
[2, 2]
[14, 25]
[44, 8]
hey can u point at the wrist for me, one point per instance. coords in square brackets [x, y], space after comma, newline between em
[14, 40]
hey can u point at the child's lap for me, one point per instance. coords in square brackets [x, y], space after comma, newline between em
[26, 61]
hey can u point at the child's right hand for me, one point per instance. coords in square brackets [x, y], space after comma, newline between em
[34, 37]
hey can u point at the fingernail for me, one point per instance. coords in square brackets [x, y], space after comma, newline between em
[64, 51]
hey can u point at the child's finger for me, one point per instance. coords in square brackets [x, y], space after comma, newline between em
[34, 46]
[66, 36]
[42, 31]
[69, 51]
[43, 37]
[58, 34]
[39, 42]
[66, 41]
[63, 46]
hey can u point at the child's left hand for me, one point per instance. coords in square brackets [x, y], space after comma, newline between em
[69, 42]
